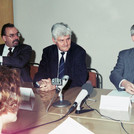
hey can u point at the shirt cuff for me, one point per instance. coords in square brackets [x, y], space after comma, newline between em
[36, 84]
[120, 84]
[1, 60]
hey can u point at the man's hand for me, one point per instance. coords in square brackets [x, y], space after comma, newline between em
[46, 85]
[129, 87]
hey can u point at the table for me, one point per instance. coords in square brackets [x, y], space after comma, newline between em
[91, 120]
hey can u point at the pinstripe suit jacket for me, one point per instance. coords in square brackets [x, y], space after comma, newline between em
[124, 68]
[75, 66]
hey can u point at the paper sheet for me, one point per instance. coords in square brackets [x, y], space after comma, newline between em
[70, 126]
[121, 93]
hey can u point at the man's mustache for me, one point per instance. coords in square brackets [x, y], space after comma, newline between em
[16, 40]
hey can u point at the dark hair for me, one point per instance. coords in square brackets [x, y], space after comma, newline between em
[3, 30]
[132, 27]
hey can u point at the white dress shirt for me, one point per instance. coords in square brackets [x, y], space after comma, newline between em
[65, 55]
[5, 52]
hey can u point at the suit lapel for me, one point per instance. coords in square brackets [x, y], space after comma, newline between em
[16, 50]
[69, 61]
[55, 61]
[1, 48]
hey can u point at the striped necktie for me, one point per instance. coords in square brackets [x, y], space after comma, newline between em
[61, 66]
[10, 52]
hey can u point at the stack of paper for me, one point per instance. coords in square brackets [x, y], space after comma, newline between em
[121, 93]
[116, 105]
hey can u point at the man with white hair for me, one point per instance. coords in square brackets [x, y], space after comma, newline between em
[73, 60]
[122, 76]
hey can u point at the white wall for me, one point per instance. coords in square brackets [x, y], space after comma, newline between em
[101, 27]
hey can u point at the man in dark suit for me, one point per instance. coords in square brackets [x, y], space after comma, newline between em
[13, 54]
[74, 57]
[122, 76]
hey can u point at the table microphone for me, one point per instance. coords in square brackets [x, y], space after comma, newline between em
[87, 89]
[60, 83]
[65, 79]
[61, 102]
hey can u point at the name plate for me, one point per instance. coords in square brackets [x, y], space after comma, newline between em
[115, 103]
[28, 98]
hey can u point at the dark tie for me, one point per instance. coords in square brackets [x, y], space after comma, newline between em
[10, 52]
[61, 66]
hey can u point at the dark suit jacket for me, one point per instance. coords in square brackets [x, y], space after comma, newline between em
[124, 68]
[19, 59]
[75, 66]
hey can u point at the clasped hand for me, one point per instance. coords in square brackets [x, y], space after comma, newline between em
[46, 85]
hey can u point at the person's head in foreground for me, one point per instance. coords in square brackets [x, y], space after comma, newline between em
[9, 95]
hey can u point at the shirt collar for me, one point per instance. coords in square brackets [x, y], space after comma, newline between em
[6, 47]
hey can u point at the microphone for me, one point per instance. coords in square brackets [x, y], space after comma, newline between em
[59, 87]
[87, 89]
[60, 83]
[64, 79]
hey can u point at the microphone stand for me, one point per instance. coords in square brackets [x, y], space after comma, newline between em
[83, 111]
[61, 102]
[80, 110]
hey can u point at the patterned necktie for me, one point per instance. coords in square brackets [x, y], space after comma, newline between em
[10, 52]
[61, 66]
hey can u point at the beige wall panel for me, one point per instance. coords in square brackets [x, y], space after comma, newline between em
[6, 13]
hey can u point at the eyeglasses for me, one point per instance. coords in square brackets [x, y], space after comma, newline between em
[13, 35]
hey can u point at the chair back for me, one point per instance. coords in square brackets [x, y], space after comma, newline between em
[95, 77]
[33, 69]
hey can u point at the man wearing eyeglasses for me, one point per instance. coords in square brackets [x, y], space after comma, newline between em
[12, 53]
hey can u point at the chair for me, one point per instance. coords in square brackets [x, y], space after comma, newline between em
[33, 69]
[95, 77]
